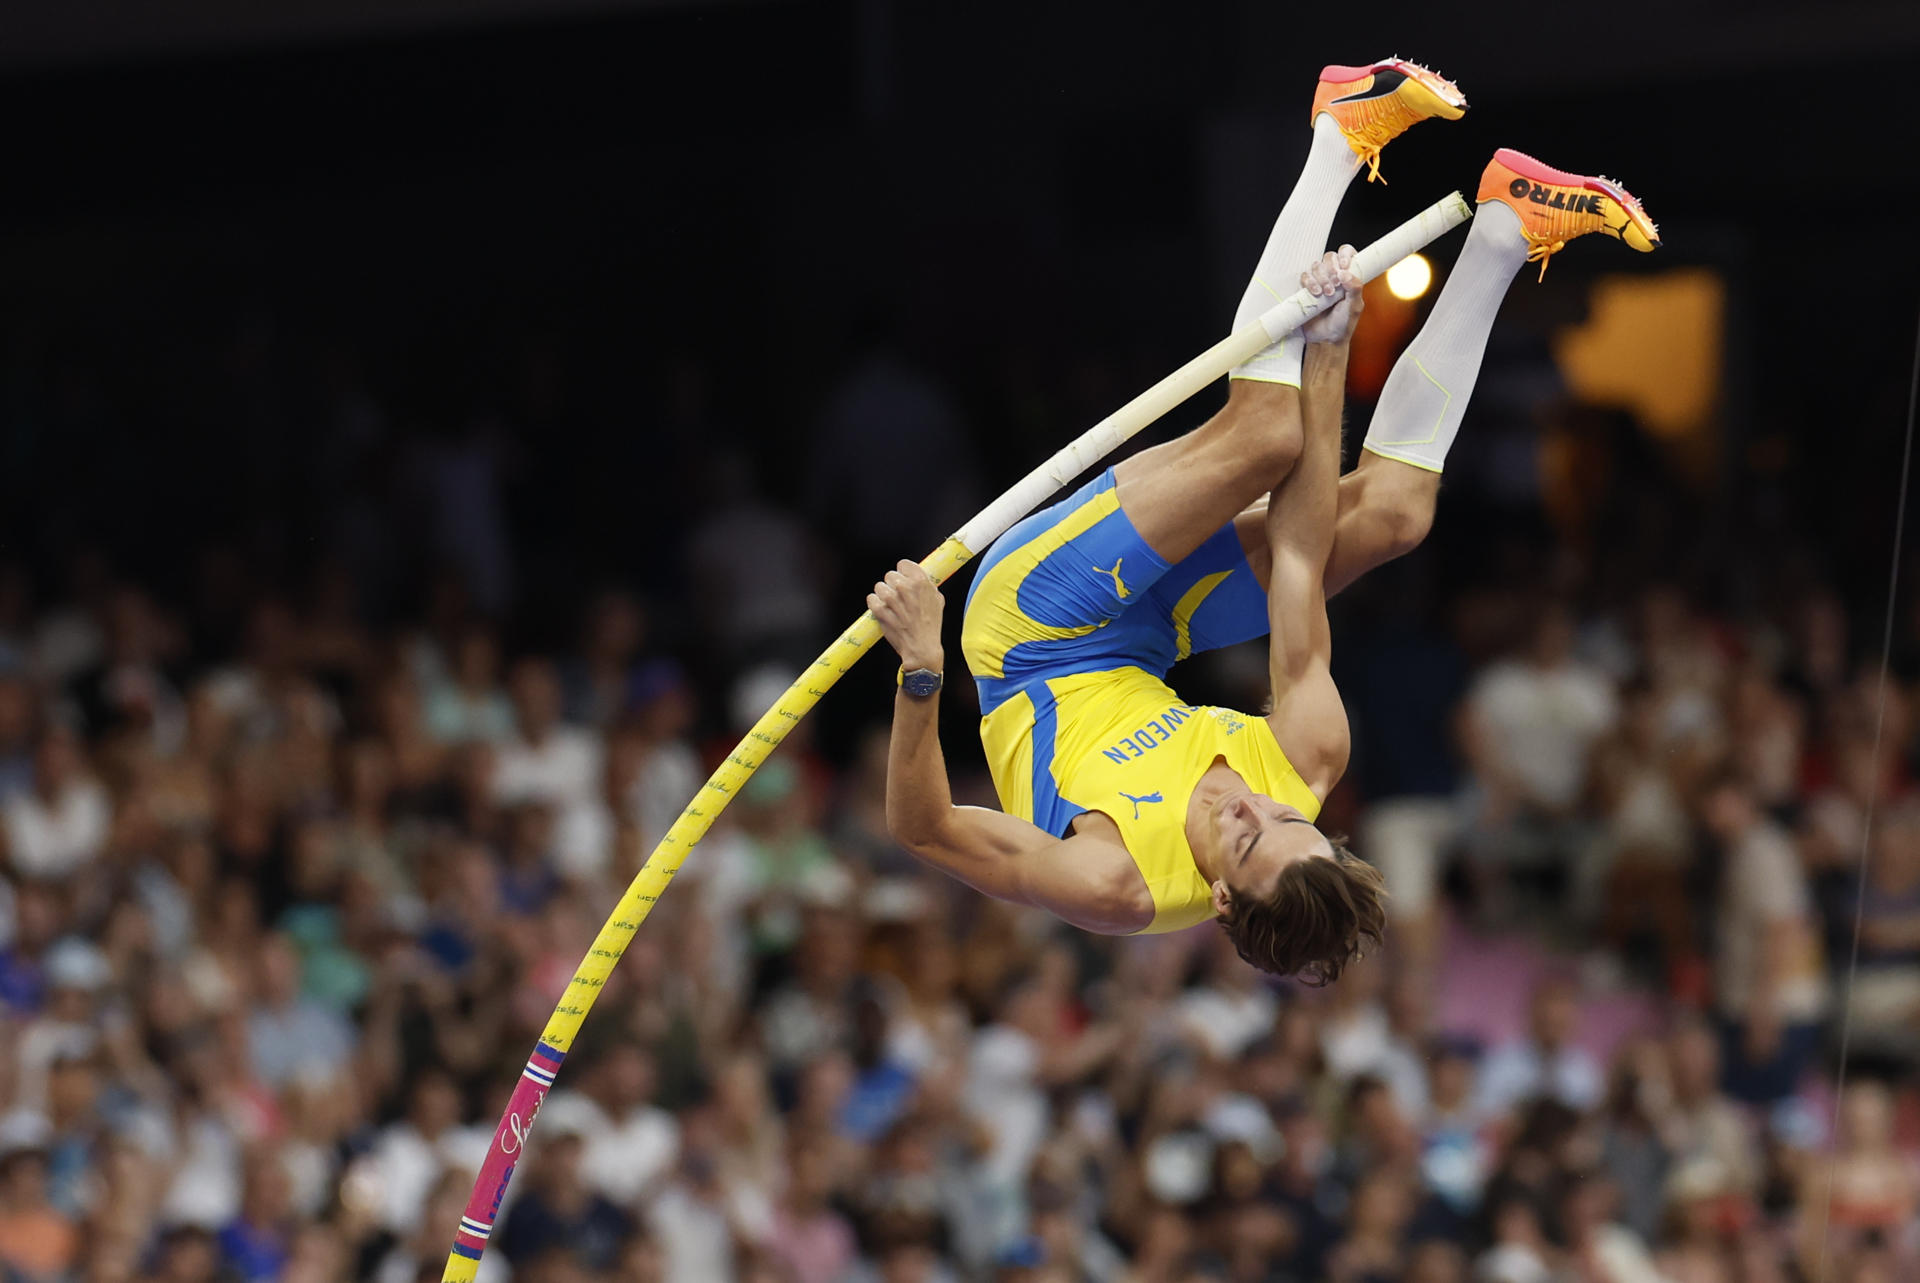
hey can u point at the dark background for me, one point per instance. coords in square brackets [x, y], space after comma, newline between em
[612, 190]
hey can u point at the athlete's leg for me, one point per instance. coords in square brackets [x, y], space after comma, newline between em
[1386, 510]
[1217, 595]
[1387, 501]
[1180, 494]
[1527, 211]
[1211, 597]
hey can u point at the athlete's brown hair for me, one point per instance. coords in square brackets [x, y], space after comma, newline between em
[1323, 914]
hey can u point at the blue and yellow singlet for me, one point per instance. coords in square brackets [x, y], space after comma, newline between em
[1071, 626]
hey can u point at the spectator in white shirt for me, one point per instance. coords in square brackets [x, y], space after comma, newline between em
[1234, 1009]
[1529, 728]
[76, 974]
[630, 1142]
[413, 1153]
[1597, 1240]
[544, 760]
[1520, 1250]
[423, 1251]
[1698, 1122]
[59, 826]
[1381, 1034]
[560, 766]
[660, 715]
[697, 1218]
[1535, 719]
[1769, 978]
[1545, 1063]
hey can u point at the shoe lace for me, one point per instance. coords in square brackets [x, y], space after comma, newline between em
[1554, 229]
[1376, 122]
[1379, 124]
[1371, 155]
[1542, 248]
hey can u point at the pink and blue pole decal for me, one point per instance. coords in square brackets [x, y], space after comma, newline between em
[509, 1143]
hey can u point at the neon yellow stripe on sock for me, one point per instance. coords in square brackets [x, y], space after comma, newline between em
[1371, 448]
[1439, 419]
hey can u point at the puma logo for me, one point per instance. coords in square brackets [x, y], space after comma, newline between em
[1138, 801]
[1119, 585]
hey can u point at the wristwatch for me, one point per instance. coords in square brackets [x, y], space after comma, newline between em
[921, 683]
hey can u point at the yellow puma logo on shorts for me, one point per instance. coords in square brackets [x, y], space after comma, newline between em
[1119, 585]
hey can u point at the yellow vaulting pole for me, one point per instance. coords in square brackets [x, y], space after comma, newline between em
[510, 1138]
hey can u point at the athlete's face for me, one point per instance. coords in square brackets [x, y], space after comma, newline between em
[1256, 838]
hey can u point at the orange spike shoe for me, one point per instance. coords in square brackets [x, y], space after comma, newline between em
[1374, 105]
[1556, 207]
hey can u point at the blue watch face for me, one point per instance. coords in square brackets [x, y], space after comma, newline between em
[921, 682]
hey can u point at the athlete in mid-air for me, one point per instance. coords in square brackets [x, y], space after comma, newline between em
[1127, 809]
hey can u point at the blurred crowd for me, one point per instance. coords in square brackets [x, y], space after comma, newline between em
[304, 828]
[283, 917]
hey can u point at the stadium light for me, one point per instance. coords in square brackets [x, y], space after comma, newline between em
[1410, 277]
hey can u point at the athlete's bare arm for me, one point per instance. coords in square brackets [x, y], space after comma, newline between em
[1308, 718]
[1087, 879]
[1386, 510]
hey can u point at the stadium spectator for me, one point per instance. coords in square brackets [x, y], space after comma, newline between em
[1770, 983]
[630, 1142]
[1546, 1063]
[466, 702]
[1883, 996]
[295, 866]
[560, 1212]
[37, 1242]
[60, 824]
[288, 1034]
[16, 731]
[1530, 724]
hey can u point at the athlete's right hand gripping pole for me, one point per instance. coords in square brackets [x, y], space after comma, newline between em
[509, 1138]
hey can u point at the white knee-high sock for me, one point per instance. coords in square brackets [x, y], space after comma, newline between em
[1299, 237]
[1426, 394]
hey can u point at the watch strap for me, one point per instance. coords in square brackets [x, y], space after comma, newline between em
[920, 683]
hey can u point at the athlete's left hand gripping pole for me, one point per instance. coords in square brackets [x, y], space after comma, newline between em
[510, 1138]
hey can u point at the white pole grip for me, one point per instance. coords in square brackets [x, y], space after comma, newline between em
[1279, 320]
[1431, 223]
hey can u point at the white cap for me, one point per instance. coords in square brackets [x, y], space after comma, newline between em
[74, 963]
[24, 1129]
[756, 691]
